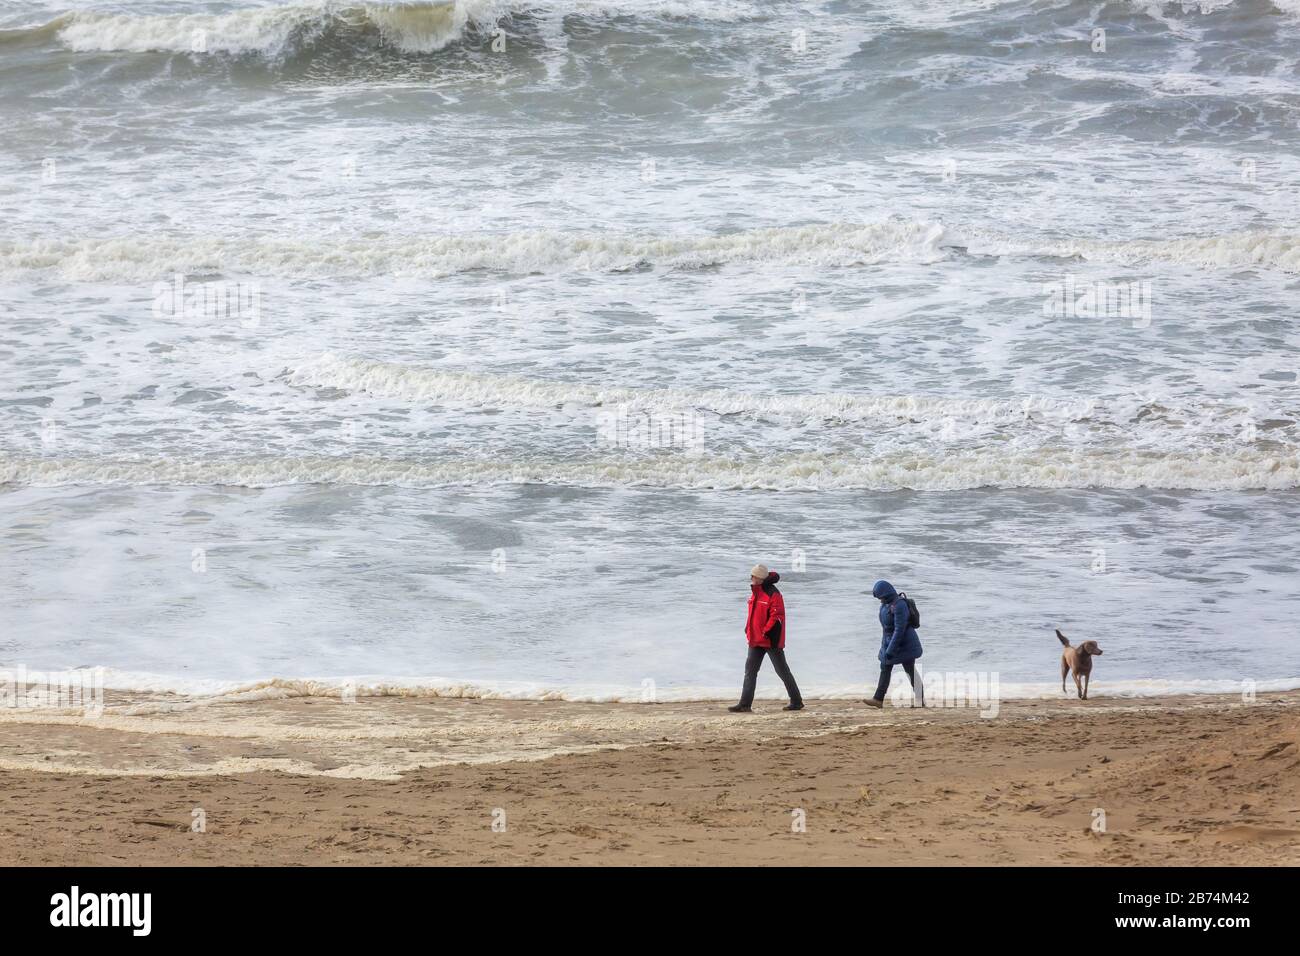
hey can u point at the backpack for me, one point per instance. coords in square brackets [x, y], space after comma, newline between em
[913, 612]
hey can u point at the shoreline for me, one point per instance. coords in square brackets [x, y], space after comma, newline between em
[1187, 780]
[117, 686]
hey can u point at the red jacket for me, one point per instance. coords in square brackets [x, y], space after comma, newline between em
[766, 614]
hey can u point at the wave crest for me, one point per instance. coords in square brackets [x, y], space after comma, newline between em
[421, 27]
[475, 390]
[827, 245]
[416, 26]
[135, 258]
[1049, 469]
[1234, 250]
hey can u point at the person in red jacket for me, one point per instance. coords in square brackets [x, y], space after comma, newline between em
[765, 634]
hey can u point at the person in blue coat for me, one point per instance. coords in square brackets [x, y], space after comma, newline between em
[899, 642]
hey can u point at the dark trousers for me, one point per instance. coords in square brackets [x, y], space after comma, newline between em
[754, 661]
[886, 670]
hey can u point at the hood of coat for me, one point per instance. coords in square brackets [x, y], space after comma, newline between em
[884, 592]
[768, 582]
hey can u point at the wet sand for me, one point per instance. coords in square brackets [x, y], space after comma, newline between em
[394, 781]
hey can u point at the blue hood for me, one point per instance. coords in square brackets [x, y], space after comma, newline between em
[884, 591]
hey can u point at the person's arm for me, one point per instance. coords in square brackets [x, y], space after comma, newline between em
[901, 622]
[776, 618]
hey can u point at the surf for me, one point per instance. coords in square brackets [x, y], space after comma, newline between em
[1061, 468]
[275, 31]
[839, 245]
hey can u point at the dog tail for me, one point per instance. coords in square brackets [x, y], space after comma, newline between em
[1063, 638]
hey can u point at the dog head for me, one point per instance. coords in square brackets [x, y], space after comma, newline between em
[1090, 648]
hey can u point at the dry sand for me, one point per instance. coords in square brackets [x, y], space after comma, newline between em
[310, 780]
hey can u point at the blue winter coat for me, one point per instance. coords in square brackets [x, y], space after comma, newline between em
[899, 641]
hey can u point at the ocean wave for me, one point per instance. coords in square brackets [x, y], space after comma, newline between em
[413, 383]
[829, 245]
[425, 26]
[276, 32]
[476, 390]
[1237, 250]
[283, 689]
[144, 258]
[169, 694]
[678, 469]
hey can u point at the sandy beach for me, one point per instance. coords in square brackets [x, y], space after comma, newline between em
[313, 780]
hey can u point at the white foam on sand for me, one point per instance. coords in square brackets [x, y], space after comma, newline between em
[252, 727]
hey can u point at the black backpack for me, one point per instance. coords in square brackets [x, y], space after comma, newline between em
[913, 612]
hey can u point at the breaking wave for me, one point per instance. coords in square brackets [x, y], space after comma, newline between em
[1238, 250]
[422, 26]
[433, 257]
[276, 31]
[548, 251]
[1227, 471]
[1134, 413]
[474, 390]
[173, 694]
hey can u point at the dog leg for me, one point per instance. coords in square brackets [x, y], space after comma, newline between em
[1078, 686]
[1065, 669]
[1086, 679]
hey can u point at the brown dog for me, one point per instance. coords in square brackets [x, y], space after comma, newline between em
[1079, 660]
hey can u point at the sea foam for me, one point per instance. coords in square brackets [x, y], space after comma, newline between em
[828, 245]
[985, 468]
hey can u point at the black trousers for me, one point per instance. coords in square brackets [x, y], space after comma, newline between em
[754, 661]
[886, 670]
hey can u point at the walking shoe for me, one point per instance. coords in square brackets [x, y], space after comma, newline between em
[740, 709]
[872, 702]
[793, 707]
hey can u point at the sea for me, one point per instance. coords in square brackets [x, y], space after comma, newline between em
[480, 348]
